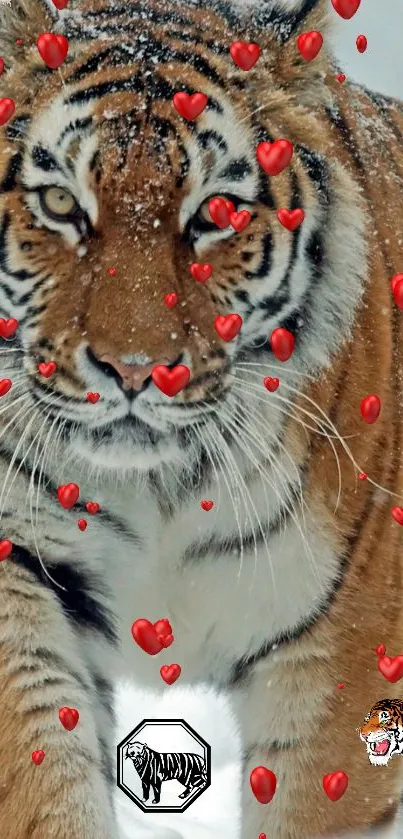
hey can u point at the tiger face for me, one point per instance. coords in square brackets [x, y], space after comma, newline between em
[104, 206]
[383, 731]
[135, 751]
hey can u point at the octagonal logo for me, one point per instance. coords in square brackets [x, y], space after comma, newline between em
[163, 765]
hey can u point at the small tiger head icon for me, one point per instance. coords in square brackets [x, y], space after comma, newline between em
[383, 731]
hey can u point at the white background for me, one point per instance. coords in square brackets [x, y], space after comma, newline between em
[215, 814]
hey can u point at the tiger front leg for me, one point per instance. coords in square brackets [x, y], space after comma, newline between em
[157, 791]
[67, 796]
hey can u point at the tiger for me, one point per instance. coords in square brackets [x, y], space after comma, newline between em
[382, 731]
[154, 768]
[281, 589]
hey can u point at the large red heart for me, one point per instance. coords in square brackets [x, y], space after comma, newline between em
[397, 513]
[282, 343]
[346, 8]
[69, 718]
[5, 385]
[60, 4]
[263, 782]
[335, 784]
[274, 157]
[7, 108]
[397, 289]
[52, 49]
[245, 55]
[8, 327]
[170, 673]
[152, 638]
[228, 326]
[391, 668]
[169, 381]
[291, 219]
[221, 211]
[201, 273]
[68, 495]
[5, 549]
[370, 408]
[310, 44]
[190, 107]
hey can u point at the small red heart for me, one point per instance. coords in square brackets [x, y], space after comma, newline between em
[291, 219]
[335, 784]
[391, 668]
[263, 782]
[341, 77]
[68, 718]
[310, 44]
[68, 495]
[207, 505]
[282, 343]
[112, 272]
[170, 673]
[8, 327]
[92, 397]
[190, 107]
[38, 757]
[2, 66]
[340, 685]
[5, 385]
[274, 157]
[164, 631]
[397, 513]
[245, 55]
[346, 8]
[60, 4]
[220, 212]
[5, 549]
[47, 368]
[53, 49]
[82, 524]
[171, 300]
[361, 43]
[165, 640]
[262, 836]
[7, 108]
[240, 221]
[363, 476]
[397, 289]
[169, 381]
[145, 636]
[228, 326]
[92, 507]
[271, 384]
[380, 649]
[201, 273]
[370, 408]
[19, 41]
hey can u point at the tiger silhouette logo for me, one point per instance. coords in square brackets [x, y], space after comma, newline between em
[382, 731]
[154, 768]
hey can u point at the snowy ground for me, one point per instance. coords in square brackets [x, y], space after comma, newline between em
[216, 814]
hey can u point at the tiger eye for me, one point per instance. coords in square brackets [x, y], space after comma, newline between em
[59, 201]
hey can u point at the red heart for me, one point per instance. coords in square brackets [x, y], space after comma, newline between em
[361, 43]
[164, 632]
[282, 343]
[169, 381]
[380, 649]
[92, 397]
[60, 4]
[145, 636]
[310, 44]
[397, 289]
[262, 836]
[170, 673]
[245, 55]
[263, 782]
[201, 273]
[341, 78]
[5, 549]
[207, 505]
[5, 385]
[346, 8]
[47, 368]
[68, 718]
[220, 211]
[7, 108]
[52, 49]
[228, 326]
[370, 408]
[271, 384]
[190, 107]
[8, 327]
[397, 513]
[171, 300]
[68, 495]
[274, 157]
[92, 507]
[82, 524]
[340, 685]
[291, 219]
[363, 476]
[2, 65]
[391, 668]
[239, 221]
[165, 640]
[335, 784]
[38, 757]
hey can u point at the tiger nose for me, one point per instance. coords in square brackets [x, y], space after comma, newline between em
[129, 376]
